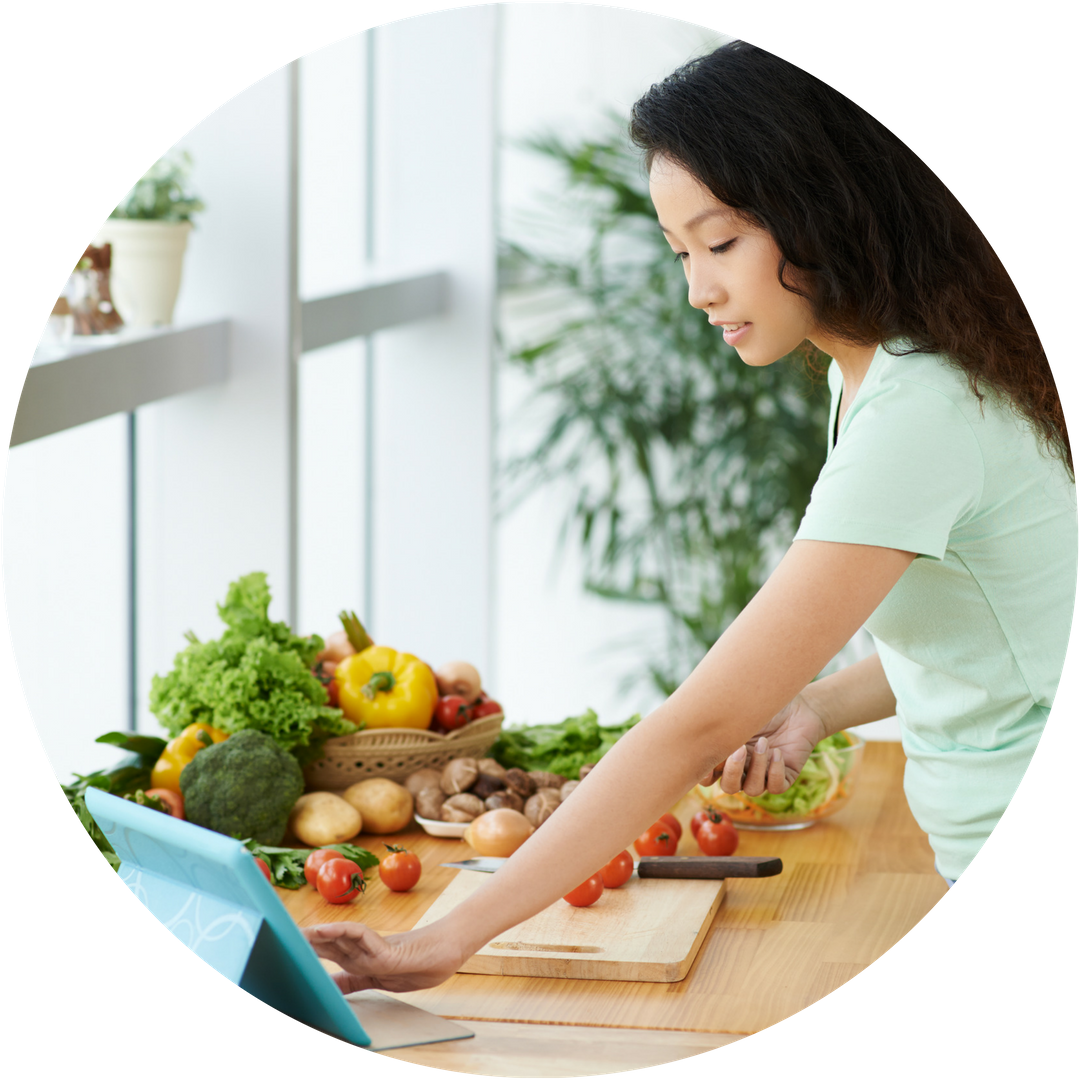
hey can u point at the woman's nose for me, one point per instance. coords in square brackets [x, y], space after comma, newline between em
[705, 289]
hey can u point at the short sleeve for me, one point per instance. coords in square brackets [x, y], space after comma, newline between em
[906, 470]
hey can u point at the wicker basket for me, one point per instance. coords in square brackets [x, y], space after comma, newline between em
[397, 753]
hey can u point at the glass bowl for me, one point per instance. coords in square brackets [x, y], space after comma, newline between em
[824, 786]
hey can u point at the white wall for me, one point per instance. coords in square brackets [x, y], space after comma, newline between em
[558, 650]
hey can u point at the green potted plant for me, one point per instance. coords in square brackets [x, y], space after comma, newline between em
[148, 232]
[687, 471]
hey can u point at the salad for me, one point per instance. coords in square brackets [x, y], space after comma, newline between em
[823, 787]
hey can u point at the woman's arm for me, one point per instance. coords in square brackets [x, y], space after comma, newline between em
[859, 694]
[808, 609]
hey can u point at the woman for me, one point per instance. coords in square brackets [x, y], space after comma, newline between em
[944, 519]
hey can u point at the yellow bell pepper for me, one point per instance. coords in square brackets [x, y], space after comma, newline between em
[382, 688]
[179, 751]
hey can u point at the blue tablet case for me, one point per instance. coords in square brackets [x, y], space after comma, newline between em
[207, 889]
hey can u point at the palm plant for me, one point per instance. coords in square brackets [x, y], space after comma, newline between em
[691, 470]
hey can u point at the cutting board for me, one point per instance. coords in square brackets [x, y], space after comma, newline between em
[645, 931]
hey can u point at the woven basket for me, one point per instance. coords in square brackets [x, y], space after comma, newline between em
[397, 753]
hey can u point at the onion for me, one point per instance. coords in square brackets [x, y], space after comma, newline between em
[337, 648]
[459, 677]
[498, 832]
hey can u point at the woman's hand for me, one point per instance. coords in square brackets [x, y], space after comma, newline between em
[775, 756]
[411, 961]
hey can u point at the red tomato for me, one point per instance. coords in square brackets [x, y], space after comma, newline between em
[451, 712]
[339, 880]
[657, 840]
[717, 837]
[587, 893]
[172, 799]
[315, 861]
[265, 869]
[672, 822]
[484, 707]
[618, 871]
[333, 694]
[703, 815]
[400, 870]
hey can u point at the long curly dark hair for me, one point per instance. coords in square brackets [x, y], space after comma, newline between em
[882, 250]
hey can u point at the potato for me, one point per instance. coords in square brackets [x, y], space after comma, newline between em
[320, 818]
[385, 806]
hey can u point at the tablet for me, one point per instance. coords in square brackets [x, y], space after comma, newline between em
[207, 889]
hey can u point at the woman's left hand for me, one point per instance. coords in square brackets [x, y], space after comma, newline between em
[414, 960]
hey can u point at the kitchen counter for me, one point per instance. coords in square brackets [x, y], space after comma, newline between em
[851, 887]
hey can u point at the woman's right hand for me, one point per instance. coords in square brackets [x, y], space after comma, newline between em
[775, 756]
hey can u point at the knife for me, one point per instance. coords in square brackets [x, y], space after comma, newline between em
[667, 866]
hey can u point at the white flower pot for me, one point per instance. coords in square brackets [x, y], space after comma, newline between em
[147, 262]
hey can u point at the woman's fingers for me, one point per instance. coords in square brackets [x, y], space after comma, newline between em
[731, 777]
[757, 773]
[753, 770]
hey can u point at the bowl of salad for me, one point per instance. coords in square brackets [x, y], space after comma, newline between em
[824, 786]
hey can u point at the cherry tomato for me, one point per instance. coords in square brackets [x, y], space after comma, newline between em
[703, 815]
[672, 822]
[484, 707]
[451, 712]
[265, 869]
[618, 871]
[172, 799]
[587, 893]
[315, 862]
[717, 837]
[656, 840]
[400, 870]
[339, 880]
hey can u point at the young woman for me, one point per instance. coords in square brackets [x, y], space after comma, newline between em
[944, 519]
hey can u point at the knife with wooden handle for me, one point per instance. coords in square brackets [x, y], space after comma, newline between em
[668, 866]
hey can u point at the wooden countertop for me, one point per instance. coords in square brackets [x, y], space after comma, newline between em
[852, 886]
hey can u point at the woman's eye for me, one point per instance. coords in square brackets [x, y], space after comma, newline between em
[682, 256]
[721, 248]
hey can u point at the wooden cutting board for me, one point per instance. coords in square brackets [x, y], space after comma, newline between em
[646, 931]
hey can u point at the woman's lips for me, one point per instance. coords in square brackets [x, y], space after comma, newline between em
[734, 332]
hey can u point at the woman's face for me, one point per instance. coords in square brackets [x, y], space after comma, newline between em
[731, 268]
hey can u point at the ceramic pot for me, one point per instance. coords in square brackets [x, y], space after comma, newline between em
[147, 264]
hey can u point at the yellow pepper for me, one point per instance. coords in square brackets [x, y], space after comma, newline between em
[382, 688]
[179, 751]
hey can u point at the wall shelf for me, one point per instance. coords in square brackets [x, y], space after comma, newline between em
[92, 378]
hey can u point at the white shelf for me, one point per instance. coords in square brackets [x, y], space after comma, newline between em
[93, 377]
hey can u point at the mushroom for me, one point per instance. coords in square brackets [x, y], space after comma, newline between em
[519, 781]
[546, 779]
[459, 775]
[461, 807]
[487, 785]
[505, 800]
[565, 790]
[429, 802]
[490, 767]
[422, 778]
[542, 805]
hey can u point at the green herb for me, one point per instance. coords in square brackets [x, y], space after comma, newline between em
[162, 194]
[559, 748]
[287, 864]
[256, 675]
[128, 778]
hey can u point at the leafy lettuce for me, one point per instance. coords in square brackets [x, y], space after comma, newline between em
[816, 784]
[256, 675]
[559, 748]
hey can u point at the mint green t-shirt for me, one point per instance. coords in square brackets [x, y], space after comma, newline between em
[972, 638]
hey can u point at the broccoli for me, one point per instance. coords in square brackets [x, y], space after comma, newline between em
[243, 787]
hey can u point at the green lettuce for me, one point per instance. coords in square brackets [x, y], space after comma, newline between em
[256, 675]
[816, 784]
[559, 748]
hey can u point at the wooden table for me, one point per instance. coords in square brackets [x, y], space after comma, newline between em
[852, 886]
